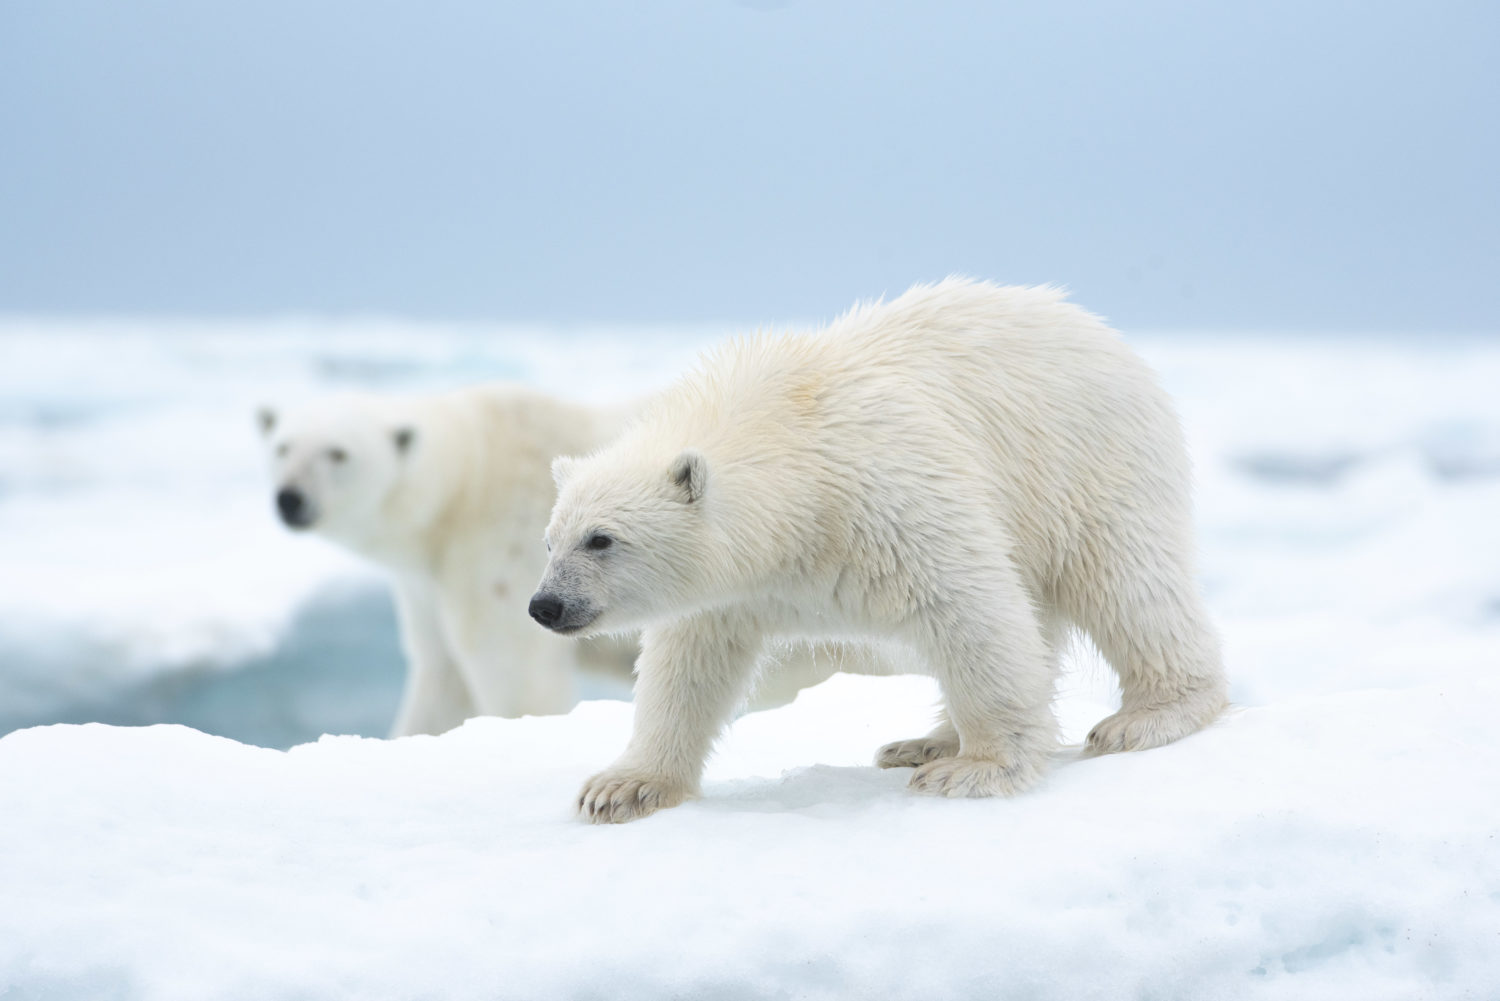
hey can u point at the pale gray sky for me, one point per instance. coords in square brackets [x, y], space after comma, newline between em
[1276, 164]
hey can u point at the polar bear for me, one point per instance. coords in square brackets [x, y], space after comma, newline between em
[966, 471]
[449, 494]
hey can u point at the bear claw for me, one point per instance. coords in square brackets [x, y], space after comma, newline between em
[618, 797]
[961, 777]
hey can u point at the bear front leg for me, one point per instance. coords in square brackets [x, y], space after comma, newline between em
[435, 698]
[689, 678]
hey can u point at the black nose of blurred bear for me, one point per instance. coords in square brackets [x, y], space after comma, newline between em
[292, 506]
[546, 609]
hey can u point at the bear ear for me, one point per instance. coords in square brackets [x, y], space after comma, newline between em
[562, 469]
[265, 419]
[690, 474]
[403, 439]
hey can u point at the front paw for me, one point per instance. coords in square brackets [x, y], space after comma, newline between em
[617, 795]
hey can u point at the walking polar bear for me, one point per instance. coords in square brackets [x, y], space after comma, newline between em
[966, 471]
[449, 494]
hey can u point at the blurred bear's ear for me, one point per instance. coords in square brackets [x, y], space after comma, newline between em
[265, 418]
[562, 468]
[690, 473]
[403, 437]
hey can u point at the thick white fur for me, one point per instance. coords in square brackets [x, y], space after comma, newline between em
[454, 517]
[967, 471]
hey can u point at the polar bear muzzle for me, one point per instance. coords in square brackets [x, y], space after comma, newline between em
[558, 615]
[294, 507]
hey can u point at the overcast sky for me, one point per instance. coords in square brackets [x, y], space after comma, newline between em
[1268, 164]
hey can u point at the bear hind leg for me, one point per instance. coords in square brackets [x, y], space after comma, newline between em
[1154, 631]
[995, 663]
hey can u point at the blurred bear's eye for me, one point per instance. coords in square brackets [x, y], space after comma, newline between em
[283, 449]
[599, 541]
[337, 454]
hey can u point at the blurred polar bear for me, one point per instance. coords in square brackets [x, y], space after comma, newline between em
[449, 493]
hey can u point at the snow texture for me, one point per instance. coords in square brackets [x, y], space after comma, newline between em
[1336, 836]
[1323, 847]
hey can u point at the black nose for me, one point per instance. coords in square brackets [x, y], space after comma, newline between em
[545, 609]
[292, 505]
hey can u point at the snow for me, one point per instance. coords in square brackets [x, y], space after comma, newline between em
[1333, 837]
[1323, 847]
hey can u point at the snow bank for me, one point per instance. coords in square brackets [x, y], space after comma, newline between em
[1340, 846]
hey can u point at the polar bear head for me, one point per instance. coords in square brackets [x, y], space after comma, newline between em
[335, 463]
[627, 541]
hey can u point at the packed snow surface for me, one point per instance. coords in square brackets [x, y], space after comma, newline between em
[1335, 836]
[1327, 846]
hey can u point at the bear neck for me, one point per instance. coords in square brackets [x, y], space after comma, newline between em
[756, 414]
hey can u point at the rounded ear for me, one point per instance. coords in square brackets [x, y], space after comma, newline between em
[562, 468]
[403, 439]
[690, 473]
[265, 418]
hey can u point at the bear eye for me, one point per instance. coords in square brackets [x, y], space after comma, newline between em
[337, 454]
[599, 541]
